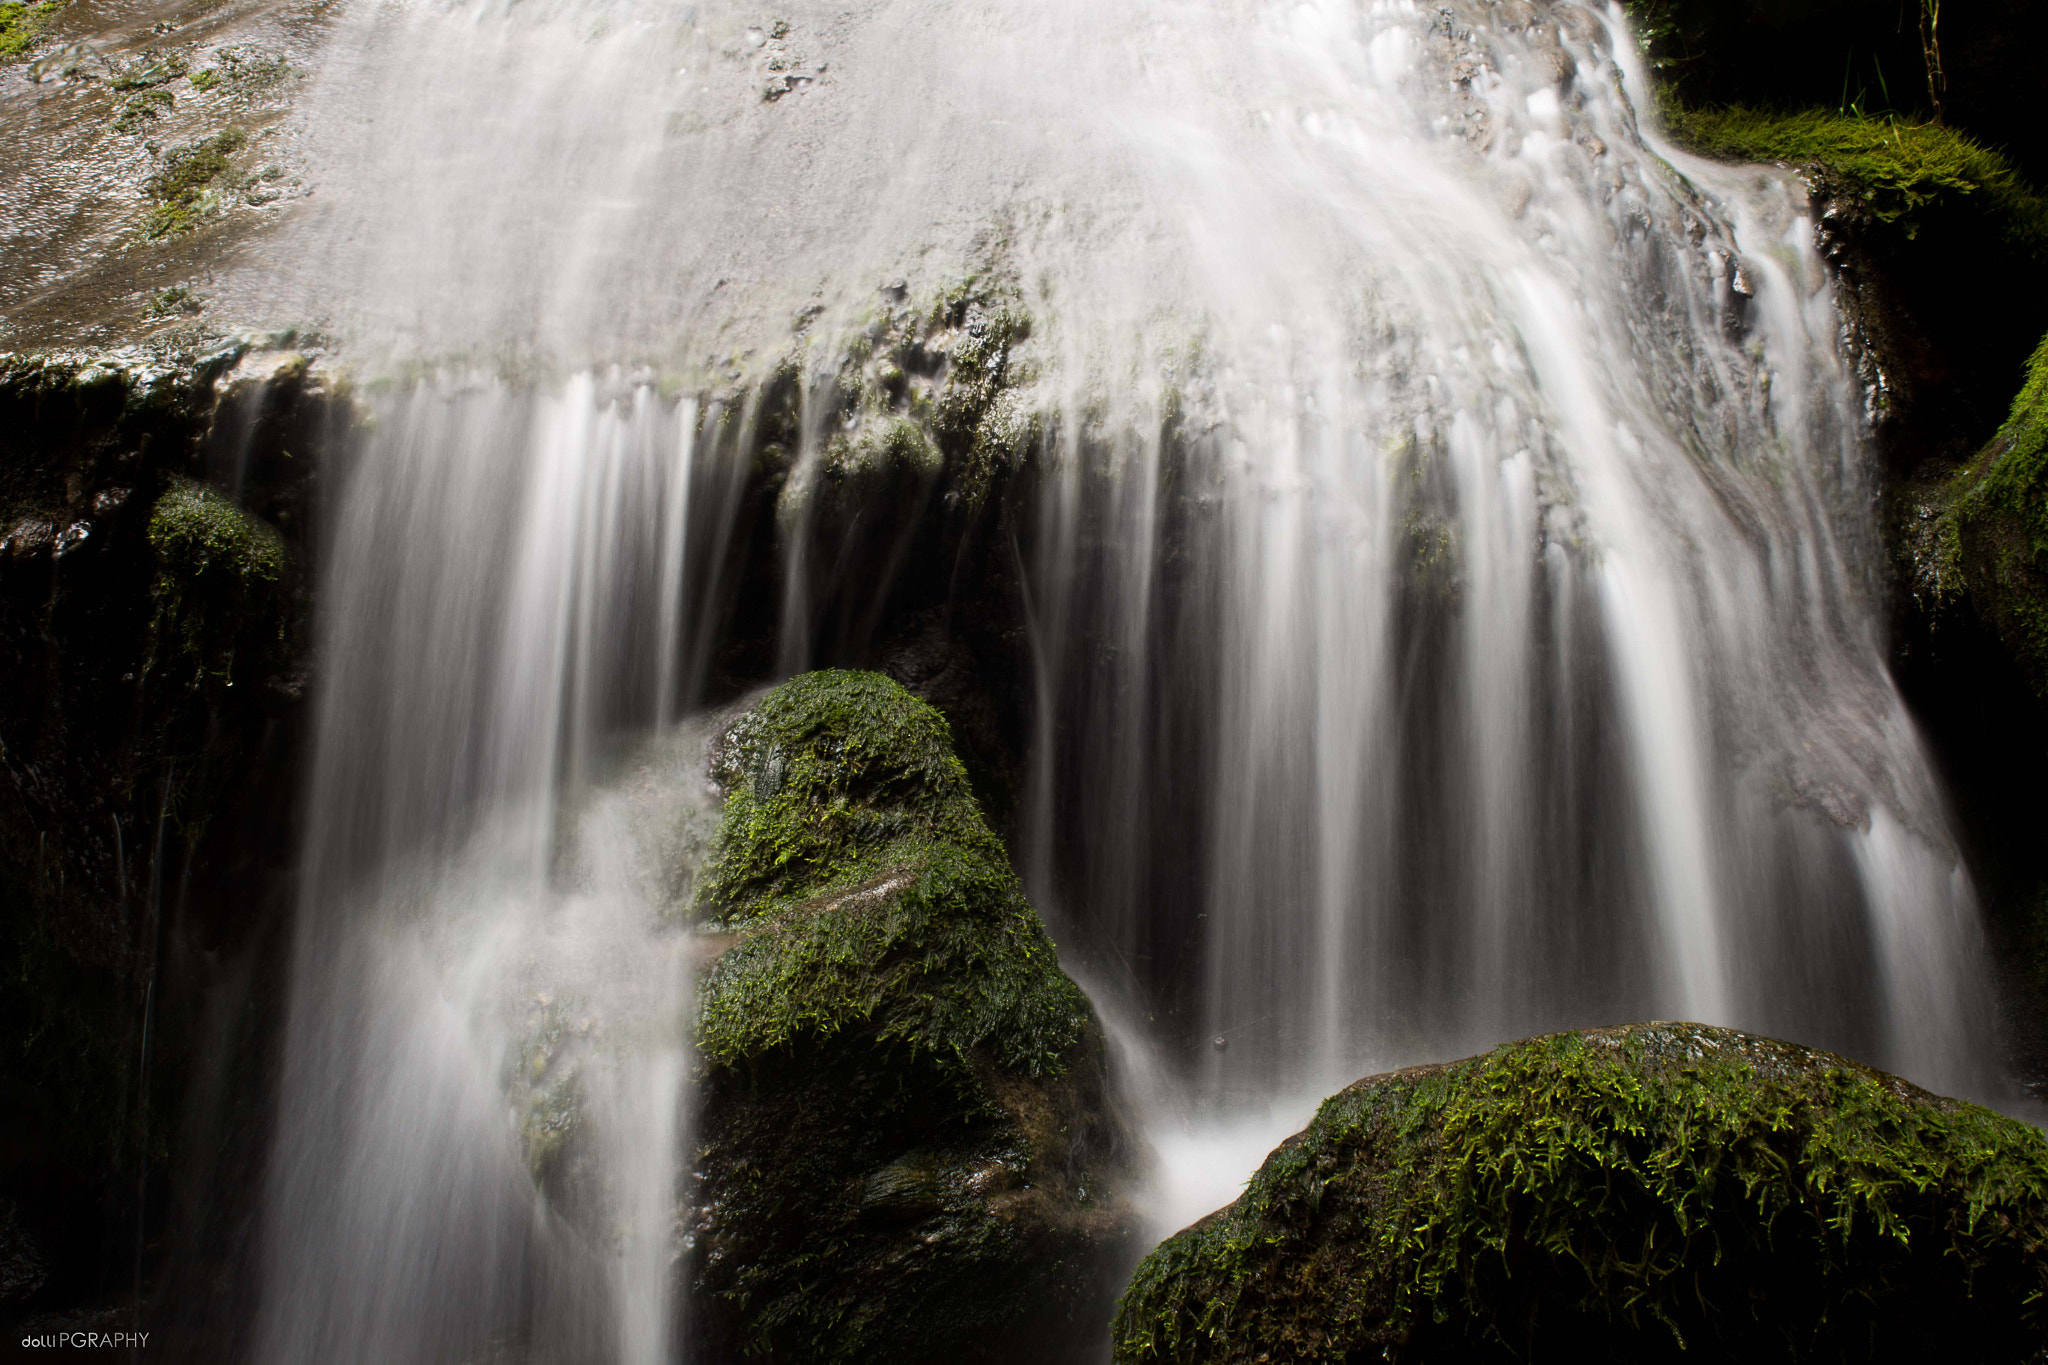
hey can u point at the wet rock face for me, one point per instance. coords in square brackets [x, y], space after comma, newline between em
[905, 1149]
[150, 632]
[141, 148]
[1618, 1194]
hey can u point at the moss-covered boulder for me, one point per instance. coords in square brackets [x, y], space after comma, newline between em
[1994, 536]
[1620, 1194]
[905, 1148]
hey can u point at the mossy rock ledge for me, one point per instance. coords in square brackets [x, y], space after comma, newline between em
[906, 1150]
[1661, 1191]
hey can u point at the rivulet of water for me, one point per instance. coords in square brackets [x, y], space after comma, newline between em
[1450, 580]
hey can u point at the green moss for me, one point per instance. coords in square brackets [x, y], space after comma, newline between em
[2015, 479]
[544, 1080]
[146, 107]
[978, 412]
[1899, 168]
[1619, 1194]
[933, 388]
[182, 190]
[201, 538]
[869, 891]
[22, 25]
[892, 442]
[175, 301]
[903, 1150]
[1993, 534]
[219, 573]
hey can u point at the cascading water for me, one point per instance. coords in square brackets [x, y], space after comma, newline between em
[489, 968]
[1447, 581]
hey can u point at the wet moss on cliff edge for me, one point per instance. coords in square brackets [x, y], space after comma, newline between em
[219, 579]
[1619, 1194]
[1899, 168]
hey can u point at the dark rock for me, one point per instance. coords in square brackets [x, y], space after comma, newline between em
[152, 625]
[906, 1150]
[1619, 1195]
[1830, 54]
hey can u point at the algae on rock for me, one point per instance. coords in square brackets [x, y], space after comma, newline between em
[906, 1150]
[1618, 1194]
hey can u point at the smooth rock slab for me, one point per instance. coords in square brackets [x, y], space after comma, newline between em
[1659, 1191]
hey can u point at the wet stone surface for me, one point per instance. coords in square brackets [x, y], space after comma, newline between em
[142, 146]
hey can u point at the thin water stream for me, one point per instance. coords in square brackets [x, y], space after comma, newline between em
[1447, 566]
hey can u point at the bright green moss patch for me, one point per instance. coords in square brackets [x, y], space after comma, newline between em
[868, 890]
[828, 771]
[1617, 1195]
[1900, 169]
[1992, 539]
[21, 25]
[2016, 480]
[904, 1152]
[202, 539]
[219, 575]
[184, 188]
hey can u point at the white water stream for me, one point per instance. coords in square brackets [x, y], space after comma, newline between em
[1498, 650]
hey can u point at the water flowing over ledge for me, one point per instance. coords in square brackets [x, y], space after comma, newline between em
[1428, 516]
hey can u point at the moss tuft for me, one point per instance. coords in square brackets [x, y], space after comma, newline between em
[2015, 478]
[202, 538]
[1899, 168]
[219, 575]
[871, 892]
[1617, 1195]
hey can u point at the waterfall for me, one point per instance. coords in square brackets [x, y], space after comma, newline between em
[491, 971]
[1447, 557]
